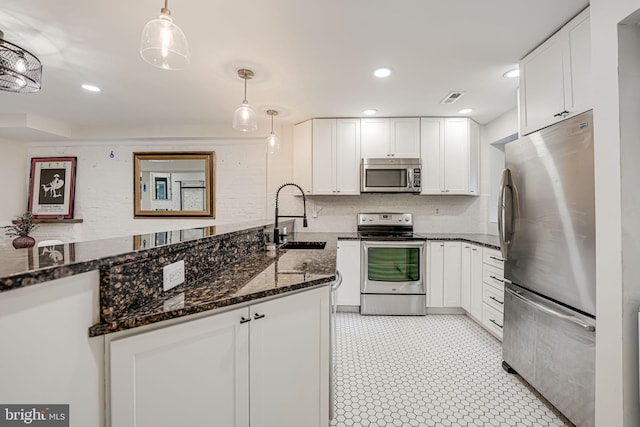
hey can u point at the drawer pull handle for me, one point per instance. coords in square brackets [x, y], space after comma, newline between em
[496, 300]
[497, 259]
[495, 323]
[258, 316]
[244, 320]
[496, 279]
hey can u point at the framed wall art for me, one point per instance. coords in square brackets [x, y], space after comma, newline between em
[52, 187]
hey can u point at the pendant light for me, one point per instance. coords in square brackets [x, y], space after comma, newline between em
[273, 142]
[244, 118]
[20, 70]
[163, 43]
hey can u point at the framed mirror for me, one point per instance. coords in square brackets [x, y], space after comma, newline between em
[168, 184]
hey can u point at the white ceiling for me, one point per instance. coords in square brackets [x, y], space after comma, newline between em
[310, 58]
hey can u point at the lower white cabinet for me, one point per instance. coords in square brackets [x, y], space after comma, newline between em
[492, 291]
[243, 367]
[444, 278]
[348, 264]
[471, 281]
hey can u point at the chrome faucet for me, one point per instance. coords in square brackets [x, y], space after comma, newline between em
[276, 231]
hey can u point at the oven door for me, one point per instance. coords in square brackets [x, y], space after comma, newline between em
[393, 267]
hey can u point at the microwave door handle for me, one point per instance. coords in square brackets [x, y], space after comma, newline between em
[409, 178]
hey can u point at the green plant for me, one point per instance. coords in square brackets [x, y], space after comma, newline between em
[22, 226]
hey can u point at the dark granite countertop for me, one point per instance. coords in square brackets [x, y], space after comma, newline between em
[258, 276]
[487, 240]
[25, 267]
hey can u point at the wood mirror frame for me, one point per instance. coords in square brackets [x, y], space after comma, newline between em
[176, 180]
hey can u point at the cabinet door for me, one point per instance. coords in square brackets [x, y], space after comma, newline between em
[404, 137]
[289, 361]
[542, 86]
[578, 72]
[431, 137]
[476, 282]
[456, 156]
[374, 137]
[303, 155]
[348, 263]
[435, 267]
[452, 264]
[324, 140]
[347, 156]
[465, 277]
[191, 374]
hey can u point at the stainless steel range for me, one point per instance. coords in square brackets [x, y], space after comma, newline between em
[393, 265]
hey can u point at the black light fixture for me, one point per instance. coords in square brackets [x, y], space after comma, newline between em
[20, 70]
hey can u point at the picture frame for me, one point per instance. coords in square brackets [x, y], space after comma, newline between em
[51, 255]
[52, 183]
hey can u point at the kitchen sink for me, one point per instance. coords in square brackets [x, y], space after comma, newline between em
[304, 245]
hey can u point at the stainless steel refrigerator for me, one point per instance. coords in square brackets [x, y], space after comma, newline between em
[547, 236]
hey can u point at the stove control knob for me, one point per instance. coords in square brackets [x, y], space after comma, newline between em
[399, 219]
[406, 219]
[370, 218]
[363, 219]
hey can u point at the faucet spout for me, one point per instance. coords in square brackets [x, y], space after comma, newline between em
[276, 231]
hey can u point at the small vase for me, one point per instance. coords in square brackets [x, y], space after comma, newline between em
[23, 242]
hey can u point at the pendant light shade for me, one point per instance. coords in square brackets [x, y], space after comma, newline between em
[163, 43]
[273, 142]
[244, 118]
[20, 70]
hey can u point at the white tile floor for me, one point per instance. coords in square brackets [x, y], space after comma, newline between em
[434, 370]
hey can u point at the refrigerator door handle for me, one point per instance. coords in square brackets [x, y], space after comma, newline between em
[505, 213]
[550, 310]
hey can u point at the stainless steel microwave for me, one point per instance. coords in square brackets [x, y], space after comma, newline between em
[390, 175]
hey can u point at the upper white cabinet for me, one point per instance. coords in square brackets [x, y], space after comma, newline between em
[327, 156]
[555, 79]
[450, 150]
[390, 137]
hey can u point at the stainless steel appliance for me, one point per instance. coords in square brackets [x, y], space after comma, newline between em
[390, 175]
[547, 235]
[393, 265]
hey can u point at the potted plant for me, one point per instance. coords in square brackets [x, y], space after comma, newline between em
[22, 226]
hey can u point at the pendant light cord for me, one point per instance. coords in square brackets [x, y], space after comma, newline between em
[271, 123]
[244, 101]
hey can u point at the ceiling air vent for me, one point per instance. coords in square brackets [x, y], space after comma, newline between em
[452, 97]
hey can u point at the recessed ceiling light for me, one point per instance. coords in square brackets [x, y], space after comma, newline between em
[90, 88]
[512, 73]
[465, 110]
[382, 72]
[369, 112]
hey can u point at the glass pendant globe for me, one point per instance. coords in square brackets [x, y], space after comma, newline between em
[164, 45]
[273, 143]
[244, 118]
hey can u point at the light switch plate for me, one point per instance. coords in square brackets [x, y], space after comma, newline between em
[172, 275]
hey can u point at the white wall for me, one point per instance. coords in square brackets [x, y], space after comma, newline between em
[616, 181]
[13, 169]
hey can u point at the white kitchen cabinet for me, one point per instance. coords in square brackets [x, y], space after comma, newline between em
[390, 137]
[238, 368]
[289, 361]
[194, 373]
[555, 79]
[348, 264]
[327, 156]
[450, 156]
[476, 281]
[444, 274]
[492, 291]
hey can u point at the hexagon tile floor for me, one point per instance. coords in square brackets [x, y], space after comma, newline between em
[434, 370]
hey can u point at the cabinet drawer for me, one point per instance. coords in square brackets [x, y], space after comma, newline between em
[492, 257]
[493, 297]
[492, 320]
[493, 276]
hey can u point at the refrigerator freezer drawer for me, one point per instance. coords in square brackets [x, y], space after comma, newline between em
[553, 349]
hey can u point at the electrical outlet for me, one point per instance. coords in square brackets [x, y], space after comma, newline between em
[172, 275]
[437, 212]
